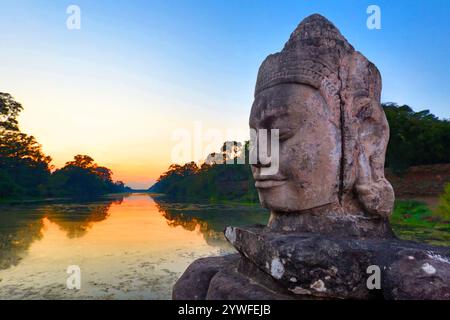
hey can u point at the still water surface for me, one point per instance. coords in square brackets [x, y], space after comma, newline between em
[127, 247]
[132, 247]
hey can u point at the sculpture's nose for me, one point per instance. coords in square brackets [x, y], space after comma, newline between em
[260, 151]
[262, 163]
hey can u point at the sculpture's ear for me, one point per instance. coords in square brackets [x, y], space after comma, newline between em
[374, 192]
[370, 136]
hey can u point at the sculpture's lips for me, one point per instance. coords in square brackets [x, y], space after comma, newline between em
[269, 183]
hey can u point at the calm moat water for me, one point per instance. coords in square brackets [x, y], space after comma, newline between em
[127, 247]
[132, 247]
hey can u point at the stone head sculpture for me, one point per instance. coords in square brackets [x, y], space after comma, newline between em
[324, 98]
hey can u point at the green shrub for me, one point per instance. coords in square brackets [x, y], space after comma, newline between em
[411, 212]
[443, 209]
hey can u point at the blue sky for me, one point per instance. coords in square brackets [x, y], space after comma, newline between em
[142, 68]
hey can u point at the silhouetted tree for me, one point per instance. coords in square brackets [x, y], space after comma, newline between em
[83, 177]
[24, 168]
[26, 171]
[213, 180]
[9, 111]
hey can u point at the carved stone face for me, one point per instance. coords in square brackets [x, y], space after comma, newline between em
[310, 148]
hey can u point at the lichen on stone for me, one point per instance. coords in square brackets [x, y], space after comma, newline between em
[230, 234]
[276, 268]
[428, 268]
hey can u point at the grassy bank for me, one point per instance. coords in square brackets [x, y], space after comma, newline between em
[414, 220]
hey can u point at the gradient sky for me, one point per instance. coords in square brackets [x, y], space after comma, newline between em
[138, 70]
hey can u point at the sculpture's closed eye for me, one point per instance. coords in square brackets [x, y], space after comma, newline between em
[286, 135]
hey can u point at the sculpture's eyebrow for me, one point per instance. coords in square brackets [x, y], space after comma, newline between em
[273, 114]
[265, 112]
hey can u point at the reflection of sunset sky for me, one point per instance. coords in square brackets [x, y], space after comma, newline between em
[136, 224]
[103, 226]
[135, 72]
[131, 239]
[117, 223]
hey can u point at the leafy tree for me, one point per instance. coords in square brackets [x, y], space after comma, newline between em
[212, 180]
[17, 145]
[82, 161]
[26, 171]
[9, 111]
[84, 178]
[25, 168]
[417, 138]
[8, 188]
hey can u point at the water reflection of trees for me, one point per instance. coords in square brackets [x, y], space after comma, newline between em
[21, 225]
[77, 218]
[17, 231]
[210, 219]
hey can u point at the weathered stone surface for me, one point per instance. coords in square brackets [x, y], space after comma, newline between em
[418, 273]
[327, 221]
[324, 97]
[194, 283]
[308, 265]
[231, 284]
[333, 267]
[313, 266]
[329, 200]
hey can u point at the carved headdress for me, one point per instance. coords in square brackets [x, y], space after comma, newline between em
[319, 56]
